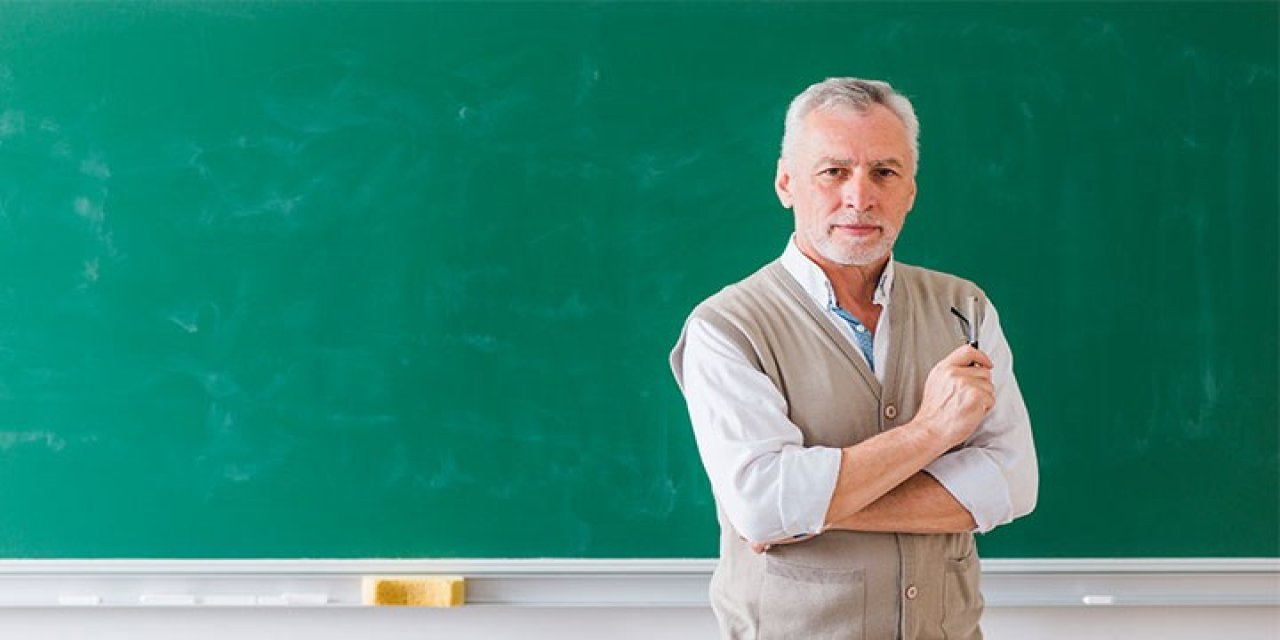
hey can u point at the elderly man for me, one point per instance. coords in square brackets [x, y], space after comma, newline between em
[854, 435]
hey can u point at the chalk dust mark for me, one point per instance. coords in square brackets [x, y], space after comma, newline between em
[11, 439]
[95, 167]
[89, 210]
[187, 324]
[12, 123]
[481, 342]
[240, 473]
[91, 270]
[61, 150]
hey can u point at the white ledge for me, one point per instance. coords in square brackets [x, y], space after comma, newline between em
[599, 583]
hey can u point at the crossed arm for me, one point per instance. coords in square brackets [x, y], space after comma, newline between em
[911, 479]
[881, 485]
[919, 505]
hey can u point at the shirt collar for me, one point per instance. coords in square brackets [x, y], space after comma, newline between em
[815, 282]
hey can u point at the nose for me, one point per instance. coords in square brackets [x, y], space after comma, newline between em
[859, 192]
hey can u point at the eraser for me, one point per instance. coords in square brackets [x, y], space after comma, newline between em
[415, 591]
[1099, 599]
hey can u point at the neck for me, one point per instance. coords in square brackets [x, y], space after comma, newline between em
[854, 285]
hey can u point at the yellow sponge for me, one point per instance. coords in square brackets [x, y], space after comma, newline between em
[415, 591]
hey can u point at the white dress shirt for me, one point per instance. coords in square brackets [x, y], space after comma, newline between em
[772, 487]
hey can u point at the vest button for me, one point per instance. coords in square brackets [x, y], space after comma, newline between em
[890, 412]
[912, 592]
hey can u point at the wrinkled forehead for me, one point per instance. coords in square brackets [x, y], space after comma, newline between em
[846, 132]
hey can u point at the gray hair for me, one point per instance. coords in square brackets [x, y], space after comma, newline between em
[851, 93]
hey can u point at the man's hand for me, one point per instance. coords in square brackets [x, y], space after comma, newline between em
[958, 394]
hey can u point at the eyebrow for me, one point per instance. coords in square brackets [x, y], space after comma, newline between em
[844, 162]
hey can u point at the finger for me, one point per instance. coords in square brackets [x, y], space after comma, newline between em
[987, 400]
[988, 389]
[971, 373]
[973, 379]
[982, 360]
[982, 388]
[976, 393]
[965, 356]
[987, 404]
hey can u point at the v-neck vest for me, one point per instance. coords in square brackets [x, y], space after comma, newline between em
[845, 584]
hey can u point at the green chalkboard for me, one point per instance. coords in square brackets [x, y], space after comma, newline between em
[299, 280]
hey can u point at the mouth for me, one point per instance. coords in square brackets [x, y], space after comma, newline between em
[856, 230]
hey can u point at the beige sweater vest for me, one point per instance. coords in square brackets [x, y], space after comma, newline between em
[844, 584]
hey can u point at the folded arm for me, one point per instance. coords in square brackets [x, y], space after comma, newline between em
[992, 479]
[775, 490]
[919, 505]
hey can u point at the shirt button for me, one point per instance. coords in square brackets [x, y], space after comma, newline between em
[890, 412]
[912, 592]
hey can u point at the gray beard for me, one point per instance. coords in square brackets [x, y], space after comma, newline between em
[862, 258]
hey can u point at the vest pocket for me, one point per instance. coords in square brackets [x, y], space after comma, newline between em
[961, 599]
[809, 602]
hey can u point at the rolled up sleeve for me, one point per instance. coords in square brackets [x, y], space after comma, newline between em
[768, 484]
[995, 475]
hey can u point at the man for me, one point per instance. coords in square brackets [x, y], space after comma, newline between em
[854, 438]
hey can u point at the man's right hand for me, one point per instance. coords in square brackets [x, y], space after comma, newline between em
[958, 394]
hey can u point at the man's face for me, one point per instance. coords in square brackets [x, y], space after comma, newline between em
[850, 179]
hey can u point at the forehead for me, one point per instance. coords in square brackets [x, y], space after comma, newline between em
[842, 132]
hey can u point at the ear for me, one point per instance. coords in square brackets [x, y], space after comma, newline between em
[782, 185]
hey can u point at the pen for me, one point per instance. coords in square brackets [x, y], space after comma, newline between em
[970, 331]
[973, 317]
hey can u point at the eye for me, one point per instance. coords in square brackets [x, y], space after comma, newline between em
[832, 172]
[885, 172]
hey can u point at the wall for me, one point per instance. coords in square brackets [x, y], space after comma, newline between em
[1165, 623]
